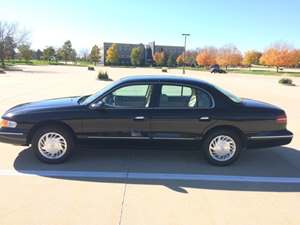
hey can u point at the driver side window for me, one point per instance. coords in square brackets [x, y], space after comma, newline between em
[132, 96]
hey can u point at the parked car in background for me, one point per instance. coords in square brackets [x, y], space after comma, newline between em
[151, 108]
[217, 71]
[215, 68]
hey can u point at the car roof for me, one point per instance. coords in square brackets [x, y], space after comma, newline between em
[165, 78]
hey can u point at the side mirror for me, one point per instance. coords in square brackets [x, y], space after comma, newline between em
[97, 106]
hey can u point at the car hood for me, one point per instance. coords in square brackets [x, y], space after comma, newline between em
[45, 105]
[254, 104]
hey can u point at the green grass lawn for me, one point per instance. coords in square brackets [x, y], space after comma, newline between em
[45, 62]
[253, 71]
[265, 72]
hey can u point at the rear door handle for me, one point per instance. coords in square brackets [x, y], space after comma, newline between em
[204, 118]
[139, 118]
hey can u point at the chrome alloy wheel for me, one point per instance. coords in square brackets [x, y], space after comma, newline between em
[222, 148]
[52, 145]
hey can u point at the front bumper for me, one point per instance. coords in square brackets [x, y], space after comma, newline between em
[269, 139]
[12, 136]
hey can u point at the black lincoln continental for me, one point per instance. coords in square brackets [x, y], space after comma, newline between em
[148, 108]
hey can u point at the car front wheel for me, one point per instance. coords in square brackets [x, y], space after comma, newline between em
[222, 147]
[52, 144]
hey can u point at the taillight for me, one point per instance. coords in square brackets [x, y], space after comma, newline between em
[282, 119]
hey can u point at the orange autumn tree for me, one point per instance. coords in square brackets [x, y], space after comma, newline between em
[189, 58]
[159, 58]
[280, 55]
[179, 60]
[207, 57]
[251, 57]
[229, 55]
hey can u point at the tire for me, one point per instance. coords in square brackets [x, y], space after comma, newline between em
[227, 153]
[59, 147]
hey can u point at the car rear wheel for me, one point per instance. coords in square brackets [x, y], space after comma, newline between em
[52, 144]
[222, 147]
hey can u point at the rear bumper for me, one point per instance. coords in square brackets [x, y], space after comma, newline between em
[12, 137]
[269, 139]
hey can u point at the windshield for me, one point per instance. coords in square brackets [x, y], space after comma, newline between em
[93, 97]
[229, 95]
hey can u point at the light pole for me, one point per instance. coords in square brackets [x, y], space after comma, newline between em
[183, 69]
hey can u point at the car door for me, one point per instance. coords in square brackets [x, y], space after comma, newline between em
[181, 112]
[123, 115]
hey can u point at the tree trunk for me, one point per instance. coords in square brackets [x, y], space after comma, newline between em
[2, 63]
[226, 67]
[277, 69]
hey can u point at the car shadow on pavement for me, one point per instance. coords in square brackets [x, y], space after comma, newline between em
[280, 162]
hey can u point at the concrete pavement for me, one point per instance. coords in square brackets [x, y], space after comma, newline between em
[41, 199]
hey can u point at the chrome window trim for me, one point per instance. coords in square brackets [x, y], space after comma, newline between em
[153, 83]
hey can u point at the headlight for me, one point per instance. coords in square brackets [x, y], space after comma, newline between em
[7, 124]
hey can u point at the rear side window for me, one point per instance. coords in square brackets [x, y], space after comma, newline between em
[172, 90]
[177, 96]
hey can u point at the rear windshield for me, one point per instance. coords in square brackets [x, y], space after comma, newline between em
[229, 95]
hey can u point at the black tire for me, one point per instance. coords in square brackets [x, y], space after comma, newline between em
[210, 137]
[53, 129]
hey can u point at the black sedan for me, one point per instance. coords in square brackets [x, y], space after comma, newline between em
[148, 108]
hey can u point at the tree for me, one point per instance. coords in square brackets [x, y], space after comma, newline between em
[95, 54]
[280, 55]
[25, 52]
[171, 61]
[66, 52]
[49, 53]
[38, 54]
[112, 55]
[9, 48]
[207, 57]
[189, 58]
[251, 57]
[159, 58]
[297, 55]
[135, 56]
[10, 38]
[179, 60]
[73, 56]
[229, 56]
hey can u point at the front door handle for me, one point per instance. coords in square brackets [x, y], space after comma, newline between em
[139, 118]
[204, 118]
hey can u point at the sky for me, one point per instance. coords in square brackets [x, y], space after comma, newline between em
[254, 24]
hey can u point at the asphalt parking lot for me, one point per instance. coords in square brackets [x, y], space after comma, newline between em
[148, 183]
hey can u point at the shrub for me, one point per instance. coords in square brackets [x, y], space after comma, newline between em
[103, 75]
[286, 81]
[164, 69]
[91, 68]
[2, 70]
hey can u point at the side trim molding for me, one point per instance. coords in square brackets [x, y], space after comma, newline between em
[103, 137]
[172, 138]
[270, 137]
[138, 138]
[11, 133]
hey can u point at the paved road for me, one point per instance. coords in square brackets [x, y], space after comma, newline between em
[157, 184]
